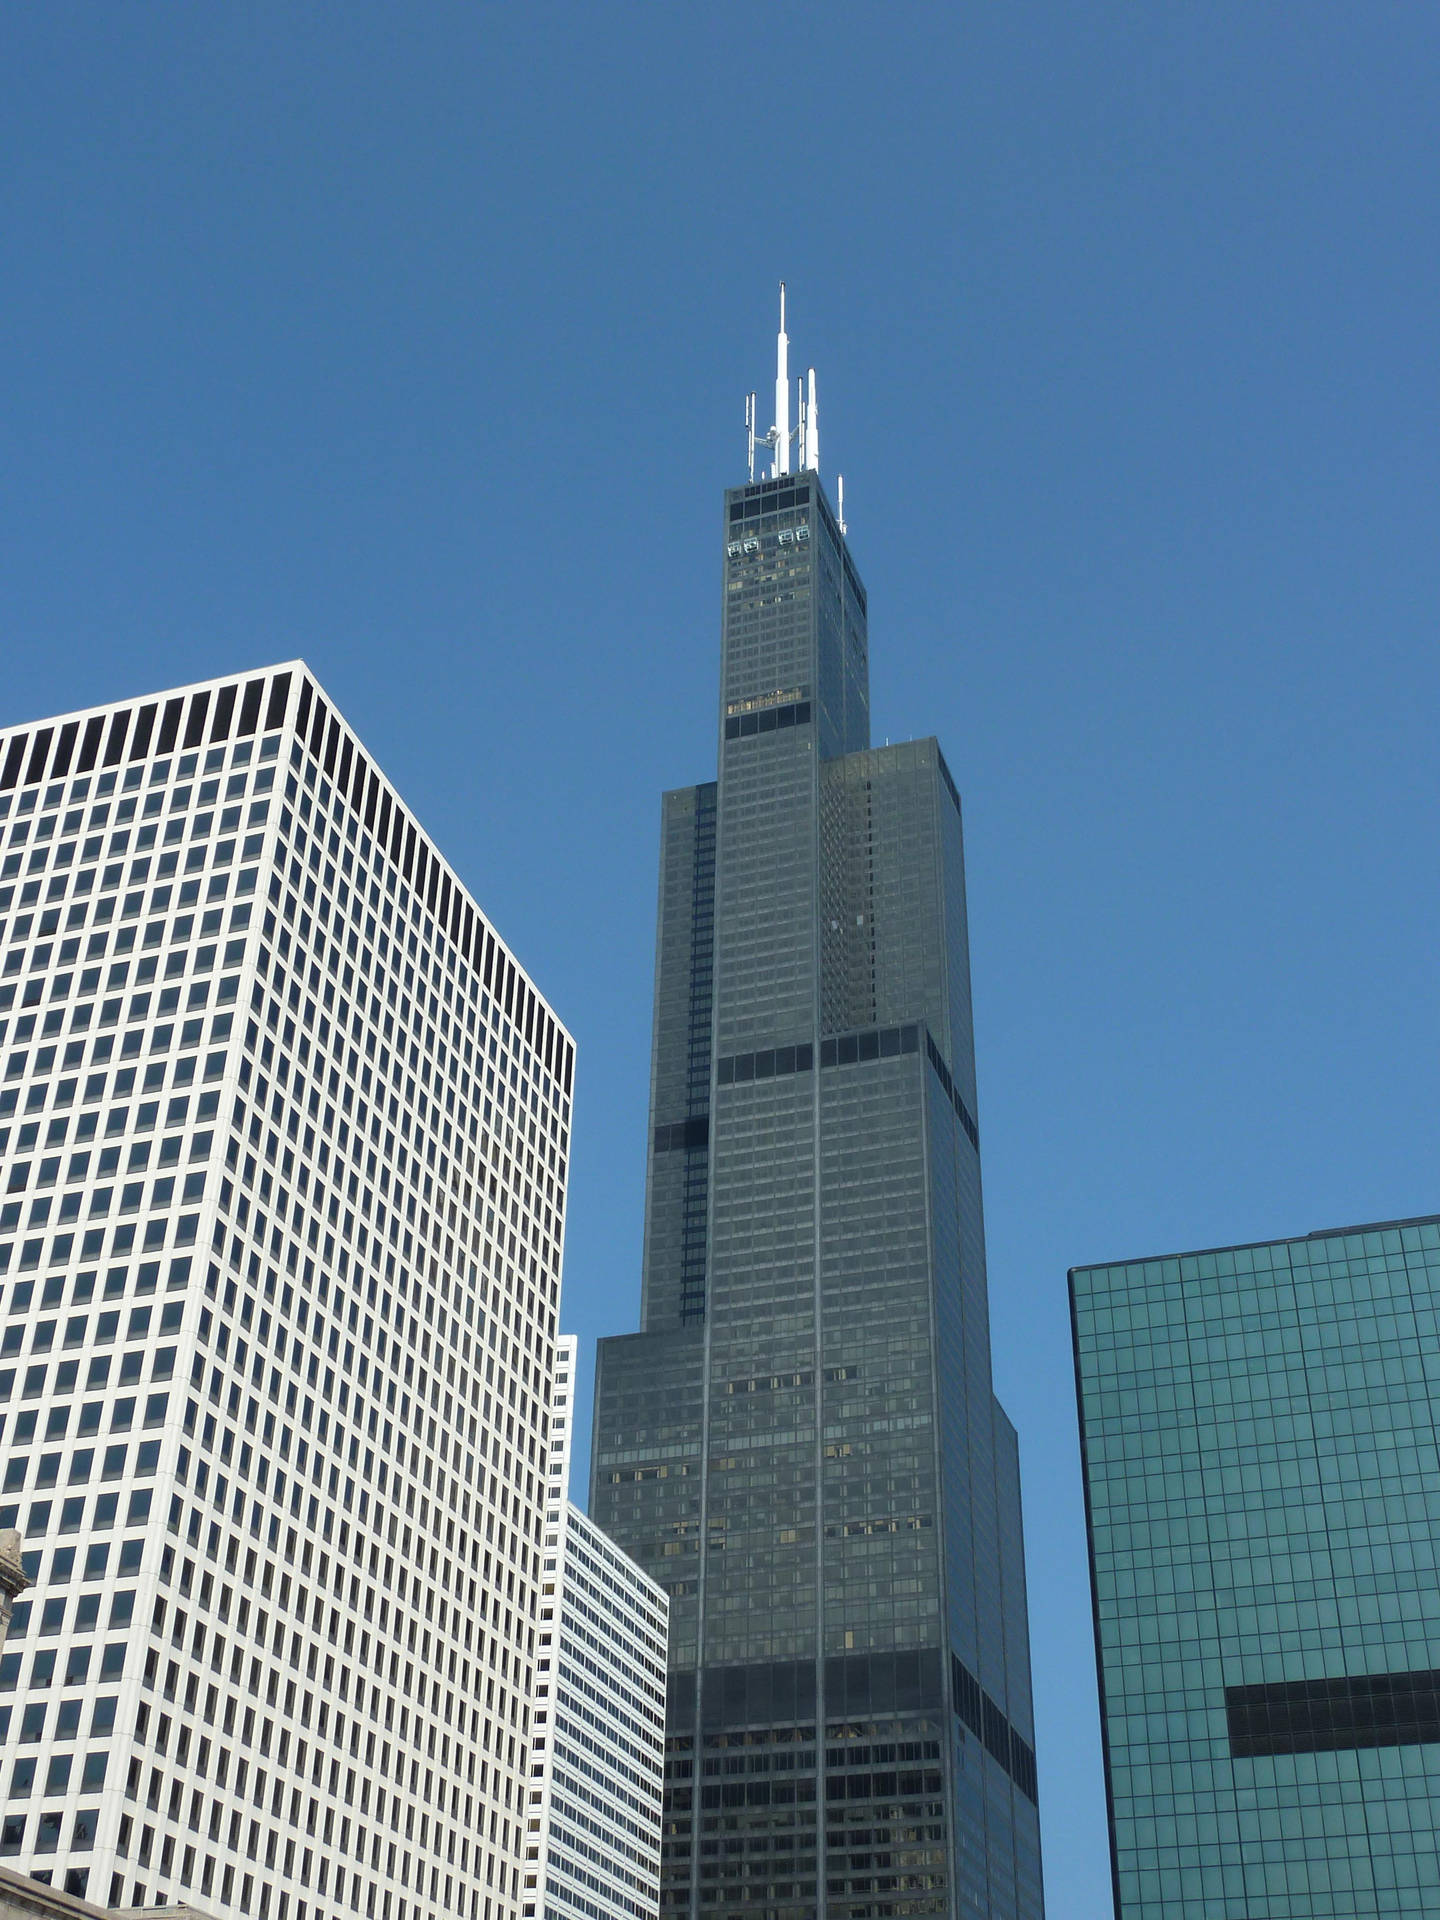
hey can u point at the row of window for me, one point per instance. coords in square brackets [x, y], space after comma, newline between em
[106, 739]
[119, 818]
[36, 1720]
[44, 1837]
[106, 1163]
[73, 1517]
[135, 1196]
[143, 1279]
[143, 840]
[42, 1667]
[106, 882]
[56, 1779]
[100, 1016]
[113, 835]
[741, 726]
[66, 953]
[62, 946]
[101, 1329]
[81, 1467]
[162, 1038]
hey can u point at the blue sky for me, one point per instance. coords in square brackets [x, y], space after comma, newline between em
[414, 341]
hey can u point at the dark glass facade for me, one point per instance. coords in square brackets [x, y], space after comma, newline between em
[1262, 1477]
[802, 1444]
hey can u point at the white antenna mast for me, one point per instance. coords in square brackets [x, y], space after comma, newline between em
[805, 435]
[840, 502]
[782, 396]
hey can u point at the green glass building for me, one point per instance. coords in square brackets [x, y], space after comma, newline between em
[1262, 1476]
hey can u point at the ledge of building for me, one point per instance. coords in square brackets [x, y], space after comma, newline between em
[21, 1898]
[153, 1913]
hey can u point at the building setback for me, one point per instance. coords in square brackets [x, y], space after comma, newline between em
[802, 1444]
[1262, 1483]
[592, 1841]
[283, 1145]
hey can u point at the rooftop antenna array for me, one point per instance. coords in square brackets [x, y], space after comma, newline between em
[805, 434]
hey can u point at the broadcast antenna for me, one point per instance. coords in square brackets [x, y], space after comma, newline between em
[805, 435]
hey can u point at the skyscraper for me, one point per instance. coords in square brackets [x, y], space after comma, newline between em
[592, 1829]
[1262, 1483]
[802, 1443]
[283, 1144]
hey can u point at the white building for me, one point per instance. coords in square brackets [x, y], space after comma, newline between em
[593, 1833]
[283, 1145]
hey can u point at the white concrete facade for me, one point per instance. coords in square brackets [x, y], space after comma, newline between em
[284, 1134]
[593, 1831]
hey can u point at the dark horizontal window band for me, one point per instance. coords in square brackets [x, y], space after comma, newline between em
[839, 1050]
[774, 1062]
[768, 497]
[857, 1687]
[878, 1043]
[768, 720]
[942, 1074]
[988, 1724]
[689, 1135]
[1328, 1716]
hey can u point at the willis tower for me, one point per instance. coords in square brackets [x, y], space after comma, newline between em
[803, 1444]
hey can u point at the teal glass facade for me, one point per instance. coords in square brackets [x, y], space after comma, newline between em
[1262, 1473]
[803, 1445]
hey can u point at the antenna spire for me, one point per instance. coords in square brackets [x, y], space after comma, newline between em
[782, 395]
[804, 437]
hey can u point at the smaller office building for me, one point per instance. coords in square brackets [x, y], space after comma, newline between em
[592, 1843]
[1262, 1477]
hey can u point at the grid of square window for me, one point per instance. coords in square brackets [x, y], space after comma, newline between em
[283, 1146]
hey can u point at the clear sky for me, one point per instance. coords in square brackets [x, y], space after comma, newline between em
[414, 340]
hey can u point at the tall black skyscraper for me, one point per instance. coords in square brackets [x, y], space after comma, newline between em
[803, 1444]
